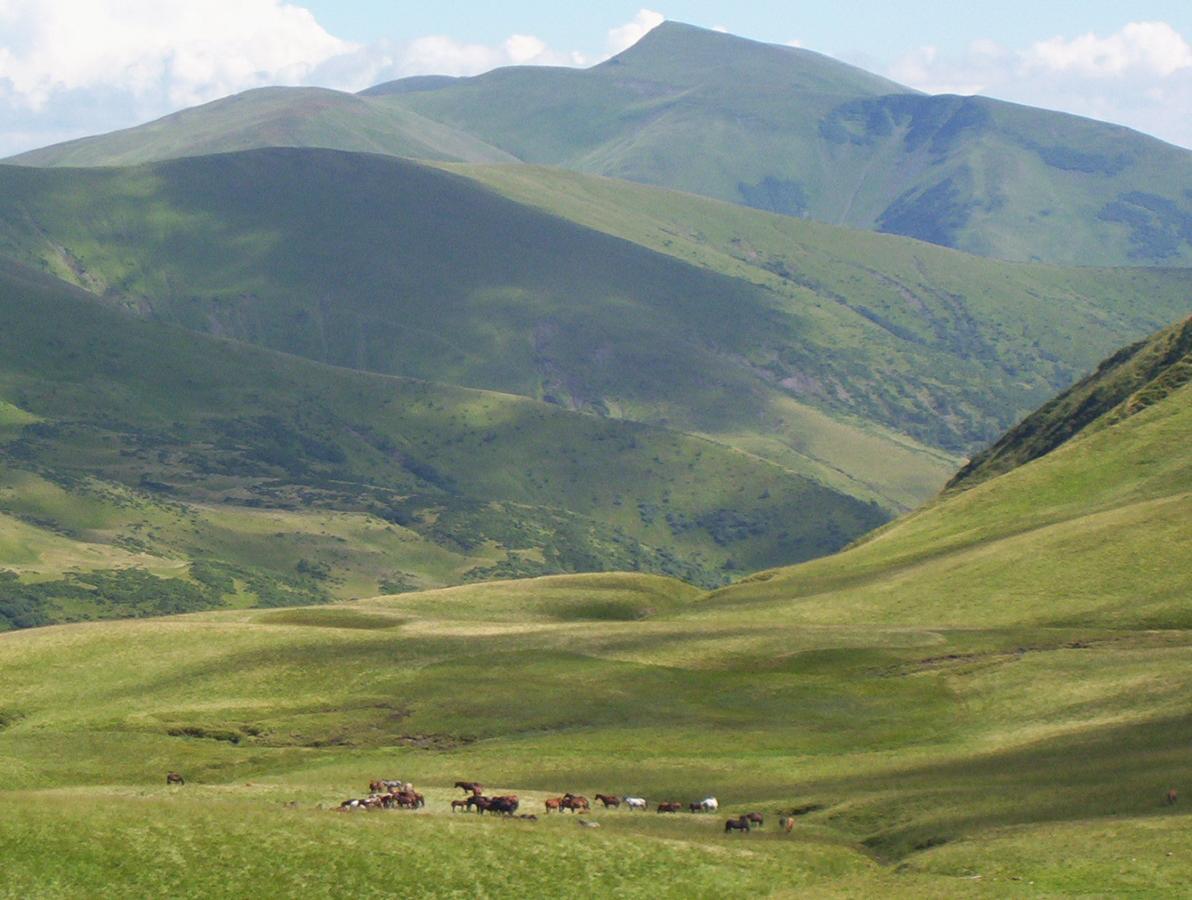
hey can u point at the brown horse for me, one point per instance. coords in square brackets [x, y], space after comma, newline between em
[1172, 797]
[474, 786]
[459, 804]
[575, 803]
[739, 824]
[609, 800]
[669, 806]
[174, 778]
[505, 806]
[788, 824]
[755, 818]
[554, 804]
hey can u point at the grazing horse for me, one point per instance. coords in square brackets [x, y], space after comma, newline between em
[474, 786]
[695, 807]
[755, 818]
[709, 804]
[554, 804]
[479, 801]
[635, 803]
[740, 824]
[506, 806]
[1172, 797]
[575, 803]
[609, 800]
[174, 778]
[669, 806]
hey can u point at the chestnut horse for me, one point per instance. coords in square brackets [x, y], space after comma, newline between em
[669, 806]
[609, 800]
[575, 803]
[755, 818]
[1172, 797]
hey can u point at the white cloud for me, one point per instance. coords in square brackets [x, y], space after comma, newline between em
[1139, 76]
[1149, 47]
[176, 51]
[625, 36]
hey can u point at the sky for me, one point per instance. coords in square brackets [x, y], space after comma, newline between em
[75, 67]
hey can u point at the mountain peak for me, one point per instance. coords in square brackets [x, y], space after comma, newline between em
[679, 53]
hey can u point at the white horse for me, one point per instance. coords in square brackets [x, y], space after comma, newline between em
[635, 802]
[709, 804]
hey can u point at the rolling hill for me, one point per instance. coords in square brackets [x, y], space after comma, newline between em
[1091, 530]
[777, 128]
[986, 697]
[746, 327]
[1132, 379]
[131, 450]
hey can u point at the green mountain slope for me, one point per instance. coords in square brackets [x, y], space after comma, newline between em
[1094, 532]
[273, 117]
[1129, 381]
[777, 128]
[381, 264]
[794, 132]
[129, 443]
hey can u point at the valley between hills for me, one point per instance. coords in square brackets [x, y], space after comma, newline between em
[467, 429]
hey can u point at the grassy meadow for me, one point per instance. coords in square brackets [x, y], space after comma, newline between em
[940, 728]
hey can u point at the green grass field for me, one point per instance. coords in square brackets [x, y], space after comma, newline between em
[987, 698]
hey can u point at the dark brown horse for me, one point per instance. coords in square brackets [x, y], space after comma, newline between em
[459, 804]
[669, 806]
[609, 800]
[755, 818]
[174, 778]
[474, 786]
[505, 806]
[739, 824]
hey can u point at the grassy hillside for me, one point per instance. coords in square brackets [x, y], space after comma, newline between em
[1131, 380]
[771, 127]
[797, 133]
[1094, 532]
[988, 697]
[381, 264]
[273, 117]
[259, 478]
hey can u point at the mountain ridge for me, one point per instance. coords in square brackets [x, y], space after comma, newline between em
[768, 126]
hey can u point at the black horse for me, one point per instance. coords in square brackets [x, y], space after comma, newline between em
[741, 824]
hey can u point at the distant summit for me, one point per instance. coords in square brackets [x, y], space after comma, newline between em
[778, 128]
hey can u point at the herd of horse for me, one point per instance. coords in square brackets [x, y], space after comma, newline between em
[393, 793]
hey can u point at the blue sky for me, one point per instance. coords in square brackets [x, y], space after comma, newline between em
[75, 67]
[875, 28]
